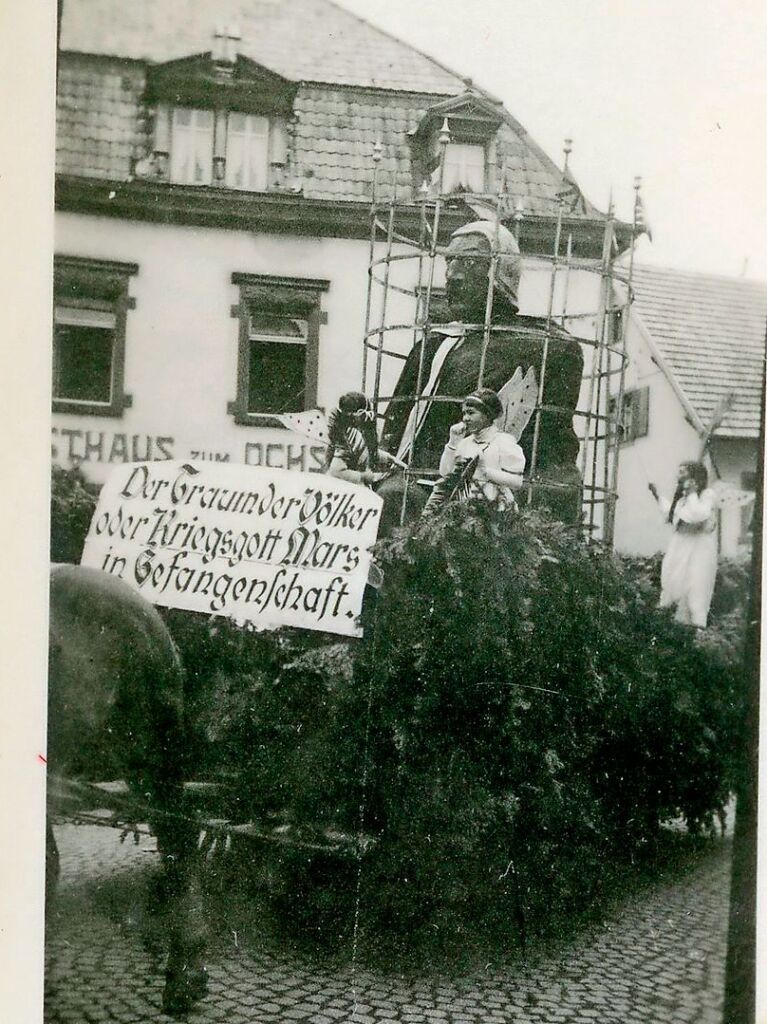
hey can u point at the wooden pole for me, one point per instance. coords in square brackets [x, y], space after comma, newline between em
[740, 974]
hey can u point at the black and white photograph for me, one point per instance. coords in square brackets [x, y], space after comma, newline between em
[393, 517]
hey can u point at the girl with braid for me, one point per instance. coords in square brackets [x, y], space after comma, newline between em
[688, 573]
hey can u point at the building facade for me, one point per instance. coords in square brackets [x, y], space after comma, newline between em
[214, 182]
[696, 348]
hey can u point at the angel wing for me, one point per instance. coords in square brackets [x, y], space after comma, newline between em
[311, 424]
[519, 397]
[730, 496]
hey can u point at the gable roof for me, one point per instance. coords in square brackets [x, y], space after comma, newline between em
[711, 332]
[303, 40]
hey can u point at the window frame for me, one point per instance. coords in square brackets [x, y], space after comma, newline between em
[222, 86]
[472, 121]
[194, 132]
[458, 189]
[293, 296]
[638, 399]
[102, 286]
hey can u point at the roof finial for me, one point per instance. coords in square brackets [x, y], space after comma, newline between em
[568, 148]
[444, 134]
[224, 39]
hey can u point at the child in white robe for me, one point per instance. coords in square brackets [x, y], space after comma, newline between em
[498, 459]
[688, 573]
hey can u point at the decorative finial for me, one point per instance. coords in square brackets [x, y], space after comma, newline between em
[568, 148]
[444, 134]
[637, 182]
[378, 150]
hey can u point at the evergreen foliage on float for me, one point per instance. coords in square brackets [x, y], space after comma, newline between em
[512, 731]
[518, 720]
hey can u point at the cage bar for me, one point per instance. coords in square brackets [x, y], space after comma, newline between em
[402, 291]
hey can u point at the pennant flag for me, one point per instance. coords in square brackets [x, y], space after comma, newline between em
[311, 424]
[640, 218]
[519, 397]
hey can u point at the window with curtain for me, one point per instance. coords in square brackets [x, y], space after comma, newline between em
[247, 152]
[191, 147]
[464, 167]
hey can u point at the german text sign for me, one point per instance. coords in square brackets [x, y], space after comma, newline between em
[266, 546]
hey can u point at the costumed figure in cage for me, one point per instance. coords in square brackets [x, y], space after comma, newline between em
[688, 573]
[479, 460]
[416, 431]
[352, 451]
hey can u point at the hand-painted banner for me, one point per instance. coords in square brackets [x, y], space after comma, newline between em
[267, 546]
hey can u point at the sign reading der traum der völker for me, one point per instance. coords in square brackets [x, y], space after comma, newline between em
[266, 546]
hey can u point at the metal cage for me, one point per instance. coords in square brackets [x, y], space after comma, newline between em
[402, 295]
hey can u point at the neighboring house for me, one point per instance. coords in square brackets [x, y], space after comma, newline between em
[215, 164]
[693, 340]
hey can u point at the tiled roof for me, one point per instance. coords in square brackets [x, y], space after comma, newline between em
[356, 84]
[711, 331]
[100, 127]
[337, 130]
[97, 122]
[303, 40]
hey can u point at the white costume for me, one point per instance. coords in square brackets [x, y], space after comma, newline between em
[689, 566]
[496, 451]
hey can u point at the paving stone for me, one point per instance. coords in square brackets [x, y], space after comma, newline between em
[660, 962]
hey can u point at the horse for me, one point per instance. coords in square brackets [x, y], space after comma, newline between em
[116, 710]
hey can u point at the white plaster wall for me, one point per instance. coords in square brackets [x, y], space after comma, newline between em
[181, 341]
[671, 439]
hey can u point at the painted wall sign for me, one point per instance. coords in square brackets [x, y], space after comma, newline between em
[268, 546]
[76, 446]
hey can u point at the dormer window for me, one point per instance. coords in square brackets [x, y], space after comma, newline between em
[220, 121]
[472, 122]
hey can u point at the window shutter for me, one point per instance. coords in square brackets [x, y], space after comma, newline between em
[641, 419]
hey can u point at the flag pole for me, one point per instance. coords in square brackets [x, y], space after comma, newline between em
[377, 154]
[615, 424]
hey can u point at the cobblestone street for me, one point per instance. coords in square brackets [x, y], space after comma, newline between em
[660, 961]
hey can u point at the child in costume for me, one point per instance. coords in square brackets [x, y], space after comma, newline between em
[479, 460]
[688, 573]
[352, 452]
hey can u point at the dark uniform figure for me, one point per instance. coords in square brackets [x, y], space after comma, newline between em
[451, 362]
